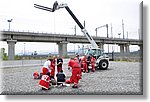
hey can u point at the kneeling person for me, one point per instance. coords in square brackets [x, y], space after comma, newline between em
[44, 83]
[61, 78]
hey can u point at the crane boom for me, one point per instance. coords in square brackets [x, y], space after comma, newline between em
[93, 43]
[56, 7]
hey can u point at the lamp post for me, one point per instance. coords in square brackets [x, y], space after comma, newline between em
[119, 34]
[9, 21]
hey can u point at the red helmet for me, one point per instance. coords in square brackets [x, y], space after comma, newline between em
[36, 75]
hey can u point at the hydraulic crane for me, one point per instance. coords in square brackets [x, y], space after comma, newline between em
[102, 61]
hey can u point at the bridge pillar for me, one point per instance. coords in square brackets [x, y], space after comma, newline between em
[127, 50]
[101, 45]
[141, 48]
[11, 49]
[62, 48]
[121, 48]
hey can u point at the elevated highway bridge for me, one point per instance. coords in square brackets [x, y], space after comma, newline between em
[12, 37]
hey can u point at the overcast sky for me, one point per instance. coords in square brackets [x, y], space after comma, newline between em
[95, 13]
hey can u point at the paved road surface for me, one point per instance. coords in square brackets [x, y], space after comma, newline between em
[121, 78]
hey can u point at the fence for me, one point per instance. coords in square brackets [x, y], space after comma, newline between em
[125, 56]
[22, 63]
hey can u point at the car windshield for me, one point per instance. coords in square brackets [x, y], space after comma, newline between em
[95, 52]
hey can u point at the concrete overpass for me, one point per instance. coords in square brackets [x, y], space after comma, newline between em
[12, 37]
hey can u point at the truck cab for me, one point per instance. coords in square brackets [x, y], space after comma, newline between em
[102, 60]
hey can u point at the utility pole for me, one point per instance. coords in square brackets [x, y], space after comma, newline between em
[127, 35]
[107, 36]
[111, 31]
[75, 30]
[96, 31]
[123, 28]
[107, 30]
[139, 32]
[84, 24]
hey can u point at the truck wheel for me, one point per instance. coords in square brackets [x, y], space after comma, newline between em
[103, 64]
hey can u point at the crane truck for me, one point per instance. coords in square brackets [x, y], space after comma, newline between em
[102, 60]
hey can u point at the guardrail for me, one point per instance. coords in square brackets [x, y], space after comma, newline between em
[31, 31]
[24, 63]
[45, 32]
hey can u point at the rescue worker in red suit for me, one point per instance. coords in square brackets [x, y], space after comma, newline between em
[46, 67]
[52, 67]
[76, 72]
[70, 64]
[93, 60]
[84, 64]
[78, 60]
[44, 83]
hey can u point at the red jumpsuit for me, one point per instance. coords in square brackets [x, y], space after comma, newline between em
[44, 82]
[76, 72]
[93, 60]
[52, 67]
[84, 63]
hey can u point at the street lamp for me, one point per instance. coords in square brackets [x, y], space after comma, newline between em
[119, 34]
[9, 23]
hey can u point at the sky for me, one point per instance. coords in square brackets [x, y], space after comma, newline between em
[95, 13]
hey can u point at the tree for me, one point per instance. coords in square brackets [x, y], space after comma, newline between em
[35, 52]
[3, 55]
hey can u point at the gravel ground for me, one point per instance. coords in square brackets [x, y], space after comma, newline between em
[121, 78]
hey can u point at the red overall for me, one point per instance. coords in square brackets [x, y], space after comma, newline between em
[44, 71]
[44, 82]
[76, 72]
[52, 66]
[84, 63]
[70, 64]
[93, 60]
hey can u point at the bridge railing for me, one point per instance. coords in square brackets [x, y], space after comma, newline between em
[31, 31]
[45, 32]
